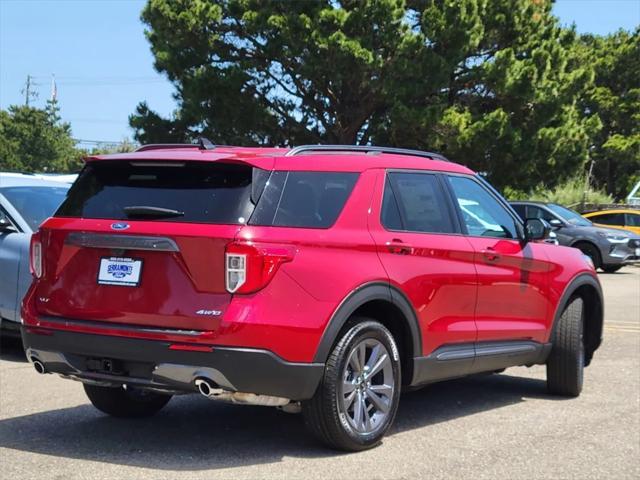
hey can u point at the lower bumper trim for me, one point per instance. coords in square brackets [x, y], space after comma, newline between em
[151, 364]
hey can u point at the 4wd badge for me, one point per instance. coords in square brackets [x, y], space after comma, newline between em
[212, 313]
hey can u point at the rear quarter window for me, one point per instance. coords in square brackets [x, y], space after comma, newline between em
[303, 199]
[608, 218]
[632, 219]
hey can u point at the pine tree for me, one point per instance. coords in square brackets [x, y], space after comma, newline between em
[491, 84]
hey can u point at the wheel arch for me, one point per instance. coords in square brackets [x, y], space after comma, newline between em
[588, 288]
[579, 241]
[591, 243]
[386, 304]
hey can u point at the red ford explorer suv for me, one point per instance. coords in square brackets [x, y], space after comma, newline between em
[322, 278]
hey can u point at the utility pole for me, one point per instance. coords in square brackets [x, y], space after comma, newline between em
[27, 90]
[587, 180]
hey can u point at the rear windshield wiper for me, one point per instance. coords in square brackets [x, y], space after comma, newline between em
[146, 211]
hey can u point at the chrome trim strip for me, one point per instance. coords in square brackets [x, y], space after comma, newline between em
[483, 349]
[505, 348]
[119, 326]
[124, 242]
[457, 354]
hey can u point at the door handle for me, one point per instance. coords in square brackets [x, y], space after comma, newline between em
[398, 247]
[490, 254]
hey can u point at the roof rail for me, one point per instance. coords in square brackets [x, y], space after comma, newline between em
[161, 146]
[203, 144]
[364, 149]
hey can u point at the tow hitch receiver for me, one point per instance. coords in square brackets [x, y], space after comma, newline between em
[104, 365]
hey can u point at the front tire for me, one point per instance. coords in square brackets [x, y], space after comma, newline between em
[358, 397]
[565, 365]
[126, 403]
[611, 268]
[592, 252]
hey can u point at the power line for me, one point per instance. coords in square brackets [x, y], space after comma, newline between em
[98, 142]
[110, 83]
[114, 77]
[106, 81]
[96, 120]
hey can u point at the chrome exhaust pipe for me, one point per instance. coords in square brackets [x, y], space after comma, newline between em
[205, 386]
[38, 365]
[210, 390]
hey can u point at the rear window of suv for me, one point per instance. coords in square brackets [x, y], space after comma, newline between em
[204, 192]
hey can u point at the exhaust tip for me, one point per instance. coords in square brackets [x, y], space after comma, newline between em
[204, 386]
[38, 365]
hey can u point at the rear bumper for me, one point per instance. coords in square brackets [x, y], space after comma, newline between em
[152, 364]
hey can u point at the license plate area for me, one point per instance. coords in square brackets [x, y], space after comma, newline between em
[122, 271]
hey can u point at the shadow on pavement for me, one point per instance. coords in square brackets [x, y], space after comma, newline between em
[445, 401]
[193, 433]
[11, 349]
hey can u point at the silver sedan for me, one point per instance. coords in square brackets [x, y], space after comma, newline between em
[25, 202]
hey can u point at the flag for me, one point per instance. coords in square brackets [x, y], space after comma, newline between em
[54, 88]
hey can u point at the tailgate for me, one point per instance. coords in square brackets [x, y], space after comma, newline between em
[144, 244]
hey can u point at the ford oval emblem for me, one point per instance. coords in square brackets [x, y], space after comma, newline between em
[119, 226]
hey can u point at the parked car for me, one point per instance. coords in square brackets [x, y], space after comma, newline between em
[25, 201]
[608, 249]
[624, 219]
[322, 278]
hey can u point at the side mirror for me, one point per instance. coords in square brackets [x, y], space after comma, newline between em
[536, 229]
[5, 224]
[555, 223]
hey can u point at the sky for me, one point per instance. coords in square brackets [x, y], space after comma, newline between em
[103, 65]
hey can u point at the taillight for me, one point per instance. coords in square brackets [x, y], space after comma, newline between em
[249, 267]
[35, 249]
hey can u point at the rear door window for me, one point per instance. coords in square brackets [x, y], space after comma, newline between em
[198, 192]
[303, 199]
[609, 219]
[537, 212]
[415, 202]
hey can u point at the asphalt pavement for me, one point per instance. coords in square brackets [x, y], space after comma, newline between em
[491, 426]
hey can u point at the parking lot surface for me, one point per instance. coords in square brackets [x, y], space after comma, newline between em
[491, 426]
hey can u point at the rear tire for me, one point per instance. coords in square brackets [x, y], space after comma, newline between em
[592, 252]
[565, 365]
[611, 268]
[126, 403]
[358, 397]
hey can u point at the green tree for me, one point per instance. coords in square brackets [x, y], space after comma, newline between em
[575, 192]
[615, 98]
[490, 83]
[124, 146]
[35, 140]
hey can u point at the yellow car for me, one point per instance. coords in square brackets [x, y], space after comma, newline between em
[626, 219]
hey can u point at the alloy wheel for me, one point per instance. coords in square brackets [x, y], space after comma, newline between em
[367, 387]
